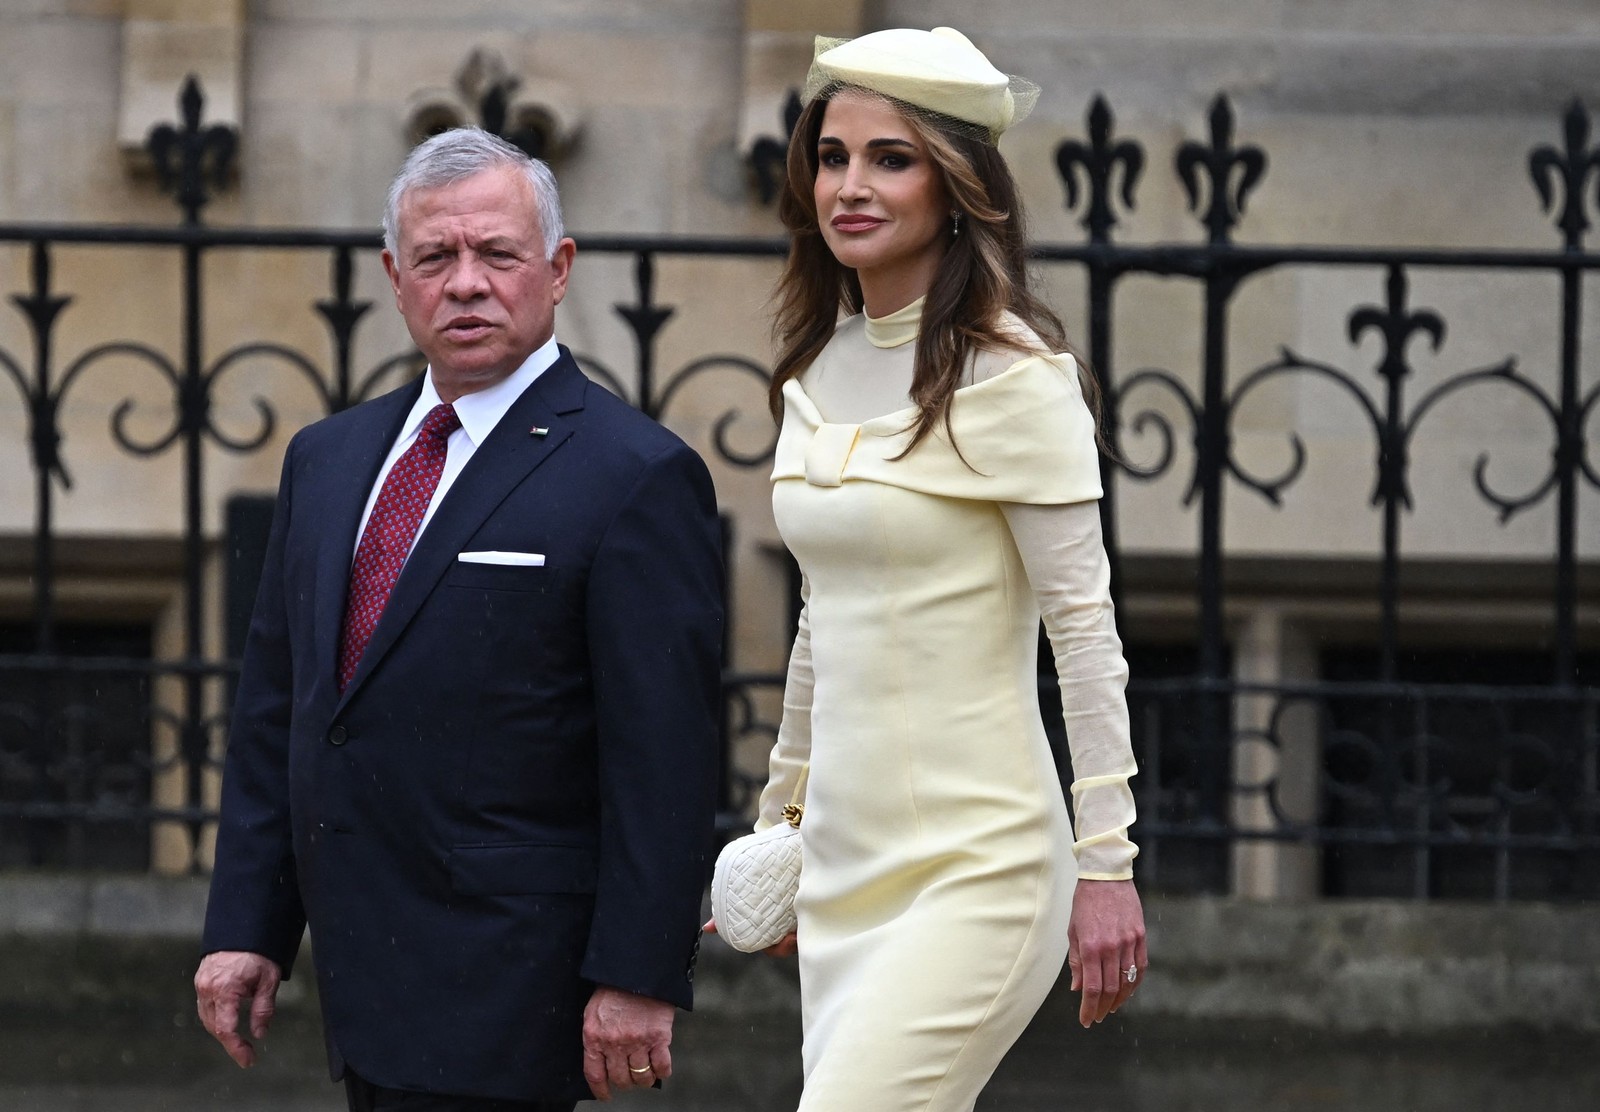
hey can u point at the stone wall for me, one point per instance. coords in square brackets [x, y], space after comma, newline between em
[1417, 968]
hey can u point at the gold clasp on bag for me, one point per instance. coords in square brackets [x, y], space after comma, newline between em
[794, 809]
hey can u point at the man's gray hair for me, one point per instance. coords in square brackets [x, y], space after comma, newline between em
[460, 153]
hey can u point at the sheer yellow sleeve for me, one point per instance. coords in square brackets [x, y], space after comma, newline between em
[1065, 558]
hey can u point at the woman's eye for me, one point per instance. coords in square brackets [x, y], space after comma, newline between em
[832, 158]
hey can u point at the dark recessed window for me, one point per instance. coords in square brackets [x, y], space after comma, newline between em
[1484, 759]
[75, 748]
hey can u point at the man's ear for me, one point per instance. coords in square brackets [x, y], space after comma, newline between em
[392, 269]
[561, 268]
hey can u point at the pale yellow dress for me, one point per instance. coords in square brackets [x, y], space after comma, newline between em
[939, 857]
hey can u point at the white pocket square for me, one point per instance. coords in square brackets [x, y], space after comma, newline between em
[509, 559]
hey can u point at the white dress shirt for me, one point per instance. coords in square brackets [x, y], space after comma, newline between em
[479, 413]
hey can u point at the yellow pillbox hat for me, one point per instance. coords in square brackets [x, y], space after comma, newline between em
[939, 70]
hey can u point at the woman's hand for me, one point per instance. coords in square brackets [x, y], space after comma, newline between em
[780, 949]
[1104, 940]
[785, 946]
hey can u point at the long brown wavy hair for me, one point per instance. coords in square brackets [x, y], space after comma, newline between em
[982, 275]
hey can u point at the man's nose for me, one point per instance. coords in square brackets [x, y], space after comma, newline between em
[468, 279]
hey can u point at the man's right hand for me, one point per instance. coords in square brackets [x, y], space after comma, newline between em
[223, 980]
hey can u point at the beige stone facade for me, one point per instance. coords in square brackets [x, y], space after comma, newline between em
[1385, 124]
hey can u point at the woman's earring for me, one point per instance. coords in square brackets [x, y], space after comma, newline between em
[955, 222]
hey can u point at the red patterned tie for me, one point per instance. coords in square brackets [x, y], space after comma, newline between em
[392, 527]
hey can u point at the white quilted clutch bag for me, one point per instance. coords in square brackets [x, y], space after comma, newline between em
[753, 886]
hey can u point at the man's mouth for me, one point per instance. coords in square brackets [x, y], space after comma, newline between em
[466, 328]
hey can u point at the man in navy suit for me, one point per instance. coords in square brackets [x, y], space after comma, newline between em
[474, 740]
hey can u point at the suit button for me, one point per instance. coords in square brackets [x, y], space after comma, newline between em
[338, 736]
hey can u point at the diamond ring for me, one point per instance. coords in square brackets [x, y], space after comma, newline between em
[1131, 973]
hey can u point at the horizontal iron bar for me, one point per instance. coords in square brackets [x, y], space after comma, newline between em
[78, 665]
[1366, 836]
[117, 665]
[362, 239]
[98, 813]
[1198, 258]
[1374, 689]
[1173, 258]
[1360, 689]
[1149, 828]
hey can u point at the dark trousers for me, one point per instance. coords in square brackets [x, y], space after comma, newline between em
[364, 1096]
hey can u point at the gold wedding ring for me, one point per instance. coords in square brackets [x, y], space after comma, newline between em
[638, 1069]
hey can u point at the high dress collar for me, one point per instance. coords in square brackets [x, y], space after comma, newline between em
[899, 327]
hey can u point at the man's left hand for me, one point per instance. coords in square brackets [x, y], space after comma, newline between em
[625, 1041]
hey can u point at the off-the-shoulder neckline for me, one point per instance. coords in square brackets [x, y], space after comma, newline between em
[901, 418]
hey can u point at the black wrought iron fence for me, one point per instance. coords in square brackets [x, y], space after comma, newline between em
[1397, 778]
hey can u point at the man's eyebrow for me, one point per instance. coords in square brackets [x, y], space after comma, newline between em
[440, 244]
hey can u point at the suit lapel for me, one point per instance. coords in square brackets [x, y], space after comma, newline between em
[346, 485]
[509, 455]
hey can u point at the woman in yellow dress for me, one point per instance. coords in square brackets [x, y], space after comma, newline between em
[936, 478]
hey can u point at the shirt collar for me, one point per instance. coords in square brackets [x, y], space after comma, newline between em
[481, 411]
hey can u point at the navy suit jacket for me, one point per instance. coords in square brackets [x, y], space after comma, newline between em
[512, 802]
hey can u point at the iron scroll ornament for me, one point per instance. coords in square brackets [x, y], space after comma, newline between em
[1392, 439]
[656, 406]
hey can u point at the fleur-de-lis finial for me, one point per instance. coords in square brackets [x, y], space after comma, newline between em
[41, 307]
[182, 154]
[533, 137]
[538, 117]
[488, 83]
[342, 312]
[1573, 168]
[1396, 324]
[1098, 160]
[646, 319]
[1218, 161]
[769, 157]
